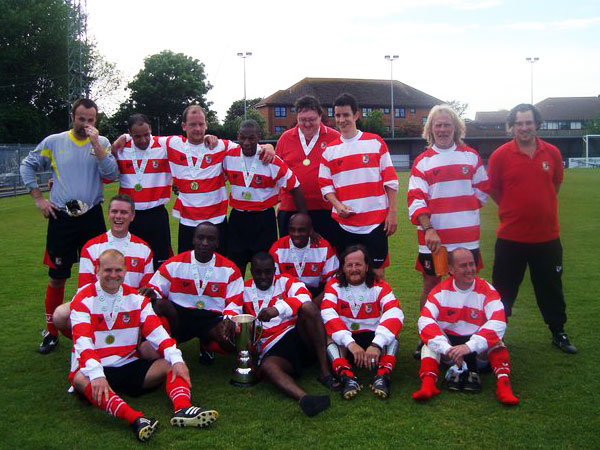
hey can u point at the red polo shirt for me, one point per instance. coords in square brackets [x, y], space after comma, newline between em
[290, 150]
[527, 201]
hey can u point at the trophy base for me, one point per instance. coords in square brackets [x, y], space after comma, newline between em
[242, 383]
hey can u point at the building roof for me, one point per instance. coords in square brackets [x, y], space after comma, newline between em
[485, 117]
[569, 108]
[367, 92]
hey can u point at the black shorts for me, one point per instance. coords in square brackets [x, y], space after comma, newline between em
[322, 222]
[363, 339]
[424, 263]
[66, 237]
[192, 323]
[128, 379]
[186, 236]
[293, 349]
[250, 232]
[152, 225]
[376, 243]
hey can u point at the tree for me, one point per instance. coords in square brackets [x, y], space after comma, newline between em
[33, 73]
[237, 108]
[411, 128]
[459, 107]
[168, 83]
[593, 126]
[373, 123]
[230, 127]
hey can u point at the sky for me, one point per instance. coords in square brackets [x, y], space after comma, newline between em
[466, 50]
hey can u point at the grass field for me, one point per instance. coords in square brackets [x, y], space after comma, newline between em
[558, 392]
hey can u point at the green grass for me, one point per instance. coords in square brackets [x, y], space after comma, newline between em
[558, 392]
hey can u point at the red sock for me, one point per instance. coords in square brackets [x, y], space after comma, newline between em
[178, 391]
[54, 298]
[500, 362]
[215, 347]
[115, 406]
[387, 363]
[341, 366]
[429, 372]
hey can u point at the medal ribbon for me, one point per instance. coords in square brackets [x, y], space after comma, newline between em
[139, 169]
[255, 301]
[110, 317]
[308, 148]
[194, 168]
[354, 303]
[249, 174]
[201, 285]
[299, 265]
[119, 244]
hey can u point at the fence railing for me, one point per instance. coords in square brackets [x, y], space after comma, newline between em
[11, 183]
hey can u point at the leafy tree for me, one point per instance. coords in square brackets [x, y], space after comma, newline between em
[237, 108]
[593, 126]
[374, 123]
[459, 107]
[230, 127]
[168, 83]
[411, 128]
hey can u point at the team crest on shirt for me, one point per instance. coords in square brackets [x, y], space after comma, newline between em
[314, 267]
[323, 145]
[474, 314]
[368, 309]
[545, 166]
[129, 164]
[186, 283]
[365, 159]
[134, 262]
[126, 318]
[465, 170]
[258, 179]
[208, 159]
[155, 164]
[214, 288]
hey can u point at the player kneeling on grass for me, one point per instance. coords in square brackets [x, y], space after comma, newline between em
[292, 331]
[108, 320]
[462, 318]
[363, 317]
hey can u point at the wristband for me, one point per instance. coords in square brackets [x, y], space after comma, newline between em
[428, 227]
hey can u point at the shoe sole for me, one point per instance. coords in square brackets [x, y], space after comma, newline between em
[203, 419]
[144, 434]
[380, 393]
[471, 390]
[351, 394]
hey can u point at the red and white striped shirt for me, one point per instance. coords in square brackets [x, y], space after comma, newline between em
[191, 284]
[262, 190]
[151, 187]
[357, 170]
[202, 192]
[287, 294]
[448, 186]
[477, 312]
[138, 259]
[356, 309]
[97, 344]
[314, 264]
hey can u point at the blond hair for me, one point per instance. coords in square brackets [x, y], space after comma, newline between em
[459, 124]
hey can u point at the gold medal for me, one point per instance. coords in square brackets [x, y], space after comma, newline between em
[354, 327]
[138, 187]
[200, 304]
[110, 339]
[194, 186]
[247, 195]
[306, 162]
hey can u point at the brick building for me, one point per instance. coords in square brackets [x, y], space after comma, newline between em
[410, 104]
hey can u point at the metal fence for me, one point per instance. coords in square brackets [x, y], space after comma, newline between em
[11, 156]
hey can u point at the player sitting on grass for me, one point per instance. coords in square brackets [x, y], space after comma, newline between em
[463, 317]
[108, 320]
[362, 317]
[292, 332]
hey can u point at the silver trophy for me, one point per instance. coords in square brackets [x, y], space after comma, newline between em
[244, 374]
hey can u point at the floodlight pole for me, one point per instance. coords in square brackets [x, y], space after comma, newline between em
[532, 60]
[244, 56]
[391, 59]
